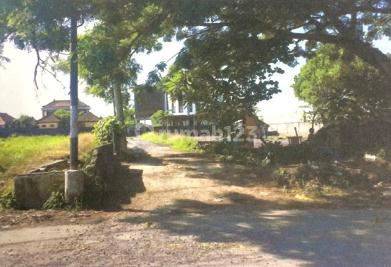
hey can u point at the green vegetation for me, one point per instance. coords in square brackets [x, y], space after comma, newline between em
[227, 66]
[24, 153]
[130, 117]
[159, 118]
[64, 117]
[177, 142]
[306, 168]
[23, 122]
[105, 128]
[342, 87]
[56, 201]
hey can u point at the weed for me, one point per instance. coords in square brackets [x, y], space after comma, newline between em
[177, 142]
[56, 201]
[7, 200]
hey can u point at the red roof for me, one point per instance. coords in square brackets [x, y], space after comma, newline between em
[49, 119]
[85, 117]
[88, 117]
[6, 118]
[64, 104]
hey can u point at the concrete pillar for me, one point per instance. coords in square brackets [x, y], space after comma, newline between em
[74, 185]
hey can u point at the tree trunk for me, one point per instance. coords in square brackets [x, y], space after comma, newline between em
[119, 111]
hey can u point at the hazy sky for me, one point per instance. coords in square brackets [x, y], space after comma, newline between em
[19, 96]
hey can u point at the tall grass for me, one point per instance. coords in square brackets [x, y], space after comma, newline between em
[24, 153]
[177, 142]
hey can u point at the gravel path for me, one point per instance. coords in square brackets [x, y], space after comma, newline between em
[198, 212]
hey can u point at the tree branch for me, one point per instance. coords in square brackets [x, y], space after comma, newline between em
[37, 65]
[315, 37]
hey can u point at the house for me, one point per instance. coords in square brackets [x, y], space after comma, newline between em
[148, 101]
[5, 120]
[183, 117]
[49, 120]
[64, 105]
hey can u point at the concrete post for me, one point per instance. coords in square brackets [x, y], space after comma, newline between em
[74, 185]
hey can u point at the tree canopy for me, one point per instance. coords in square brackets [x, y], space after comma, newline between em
[351, 24]
[340, 86]
[106, 52]
[231, 46]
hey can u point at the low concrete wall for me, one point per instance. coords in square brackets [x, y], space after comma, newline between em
[32, 190]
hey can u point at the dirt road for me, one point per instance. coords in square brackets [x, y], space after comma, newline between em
[196, 211]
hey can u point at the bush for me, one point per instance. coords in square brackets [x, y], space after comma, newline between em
[105, 128]
[269, 154]
[313, 177]
[184, 143]
[353, 139]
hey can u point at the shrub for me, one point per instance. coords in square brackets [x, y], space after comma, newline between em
[105, 128]
[314, 176]
[184, 143]
[352, 139]
[269, 154]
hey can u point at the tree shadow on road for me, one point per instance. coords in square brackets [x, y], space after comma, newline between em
[201, 166]
[139, 155]
[316, 237]
[127, 183]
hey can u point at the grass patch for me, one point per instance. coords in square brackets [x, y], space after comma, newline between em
[177, 142]
[21, 154]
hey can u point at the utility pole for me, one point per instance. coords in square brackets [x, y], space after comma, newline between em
[74, 97]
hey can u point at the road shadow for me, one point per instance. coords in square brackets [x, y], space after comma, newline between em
[225, 173]
[316, 237]
[140, 155]
[201, 165]
[127, 183]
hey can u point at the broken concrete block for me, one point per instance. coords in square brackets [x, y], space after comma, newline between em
[32, 190]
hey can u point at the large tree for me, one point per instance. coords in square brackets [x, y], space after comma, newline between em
[232, 46]
[106, 53]
[342, 87]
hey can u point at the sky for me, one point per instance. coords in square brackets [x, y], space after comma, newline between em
[18, 94]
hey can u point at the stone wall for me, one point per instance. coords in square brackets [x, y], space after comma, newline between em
[32, 190]
[102, 163]
[101, 169]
